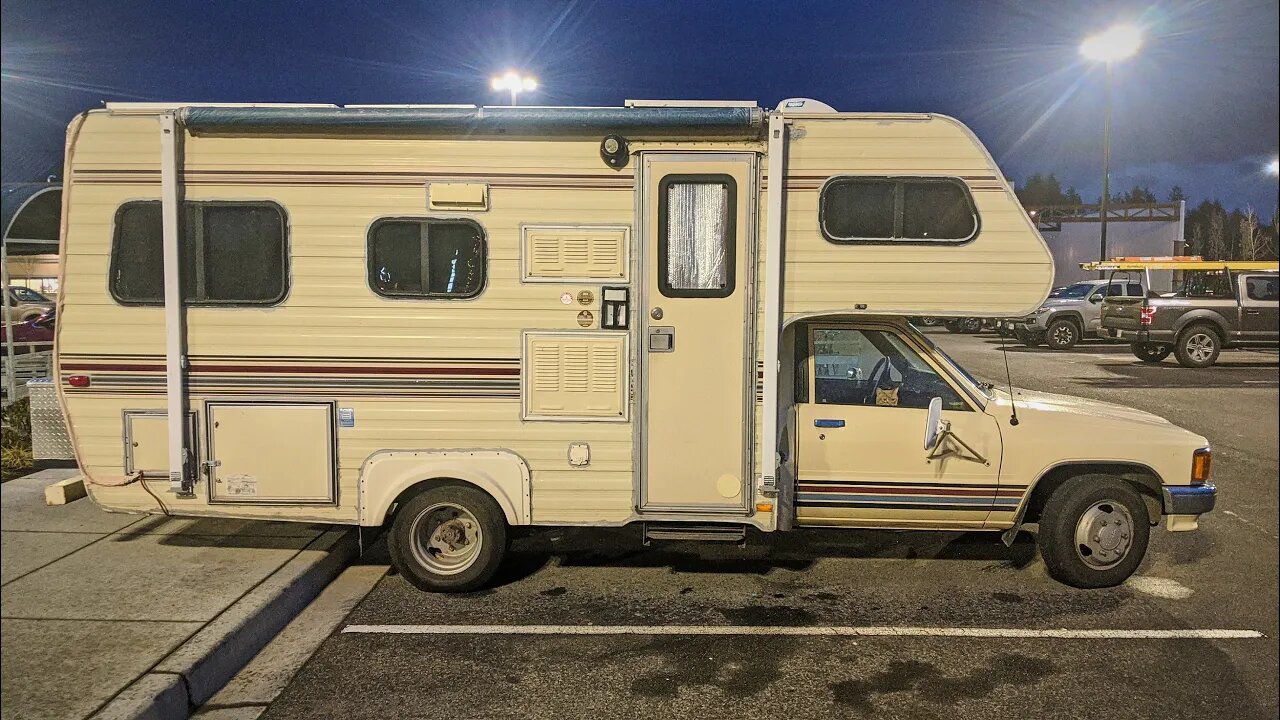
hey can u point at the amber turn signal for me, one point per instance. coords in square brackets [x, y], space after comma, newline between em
[1200, 463]
[764, 507]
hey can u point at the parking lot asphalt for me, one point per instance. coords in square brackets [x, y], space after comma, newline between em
[1222, 577]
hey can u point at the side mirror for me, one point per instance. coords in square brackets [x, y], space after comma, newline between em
[933, 427]
[1096, 298]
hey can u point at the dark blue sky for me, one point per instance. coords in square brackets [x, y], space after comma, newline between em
[1197, 107]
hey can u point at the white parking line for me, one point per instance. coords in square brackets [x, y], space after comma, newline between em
[843, 630]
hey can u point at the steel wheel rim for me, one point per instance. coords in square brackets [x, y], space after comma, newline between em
[446, 538]
[1104, 534]
[1200, 347]
[1063, 334]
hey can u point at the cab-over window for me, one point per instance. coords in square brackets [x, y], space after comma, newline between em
[871, 210]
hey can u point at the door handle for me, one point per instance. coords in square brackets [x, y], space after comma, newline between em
[827, 423]
[1252, 312]
[662, 339]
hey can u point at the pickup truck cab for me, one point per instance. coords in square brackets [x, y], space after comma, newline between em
[1067, 468]
[1227, 307]
[1074, 312]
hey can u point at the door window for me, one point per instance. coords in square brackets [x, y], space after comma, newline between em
[875, 368]
[696, 235]
[1262, 288]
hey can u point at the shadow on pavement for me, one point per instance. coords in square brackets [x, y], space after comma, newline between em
[798, 550]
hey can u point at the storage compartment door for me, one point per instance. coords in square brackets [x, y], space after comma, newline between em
[271, 452]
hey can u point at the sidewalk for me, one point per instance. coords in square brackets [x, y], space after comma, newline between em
[128, 614]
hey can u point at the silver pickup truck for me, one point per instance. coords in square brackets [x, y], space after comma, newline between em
[1215, 309]
[1069, 314]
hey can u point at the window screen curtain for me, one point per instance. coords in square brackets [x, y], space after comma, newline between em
[697, 220]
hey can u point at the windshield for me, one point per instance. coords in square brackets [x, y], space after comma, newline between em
[984, 388]
[1078, 290]
[27, 295]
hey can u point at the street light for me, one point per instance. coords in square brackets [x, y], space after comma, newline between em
[514, 82]
[1273, 167]
[1108, 47]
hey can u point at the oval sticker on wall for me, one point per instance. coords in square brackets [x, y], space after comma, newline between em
[586, 297]
[566, 298]
[585, 318]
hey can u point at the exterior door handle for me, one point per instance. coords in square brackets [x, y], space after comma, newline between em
[1252, 312]
[826, 423]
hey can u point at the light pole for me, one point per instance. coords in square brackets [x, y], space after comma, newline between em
[514, 82]
[1109, 47]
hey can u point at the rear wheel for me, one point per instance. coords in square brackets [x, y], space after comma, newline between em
[1062, 335]
[1093, 531]
[1198, 347]
[449, 538]
[1151, 352]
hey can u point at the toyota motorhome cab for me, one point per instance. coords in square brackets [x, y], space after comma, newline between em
[683, 315]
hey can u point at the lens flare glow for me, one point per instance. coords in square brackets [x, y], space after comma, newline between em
[1116, 43]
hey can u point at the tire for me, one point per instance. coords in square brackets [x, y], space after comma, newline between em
[1093, 531]
[930, 321]
[1151, 352]
[1198, 346]
[1062, 334]
[449, 538]
[971, 326]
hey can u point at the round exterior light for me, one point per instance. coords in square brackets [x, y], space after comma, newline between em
[1116, 43]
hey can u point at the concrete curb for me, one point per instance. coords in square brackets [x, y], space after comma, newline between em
[198, 668]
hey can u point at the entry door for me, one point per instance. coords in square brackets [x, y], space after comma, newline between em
[861, 459]
[699, 373]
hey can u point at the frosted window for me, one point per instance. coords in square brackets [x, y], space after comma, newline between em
[698, 239]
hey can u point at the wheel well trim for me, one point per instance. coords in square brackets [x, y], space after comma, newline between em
[1201, 317]
[1155, 486]
[501, 473]
[1072, 315]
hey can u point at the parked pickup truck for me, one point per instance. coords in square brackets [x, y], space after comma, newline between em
[1235, 305]
[1071, 314]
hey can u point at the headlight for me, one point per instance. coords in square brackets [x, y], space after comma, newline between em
[1040, 311]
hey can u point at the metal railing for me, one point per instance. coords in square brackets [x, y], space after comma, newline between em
[30, 360]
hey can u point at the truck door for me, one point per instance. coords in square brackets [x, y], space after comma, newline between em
[1259, 308]
[860, 457]
[697, 365]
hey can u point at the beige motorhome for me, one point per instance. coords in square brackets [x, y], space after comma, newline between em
[456, 320]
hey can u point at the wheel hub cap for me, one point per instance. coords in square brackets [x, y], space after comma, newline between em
[1104, 534]
[446, 538]
[1200, 347]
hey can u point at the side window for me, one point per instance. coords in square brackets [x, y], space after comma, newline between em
[875, 368]
[427, 258]
[696, 216]
[1263, 288]
[232, 254]
[897, 209]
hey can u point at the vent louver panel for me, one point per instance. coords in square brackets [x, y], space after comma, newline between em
[575, 253]
[575, 375]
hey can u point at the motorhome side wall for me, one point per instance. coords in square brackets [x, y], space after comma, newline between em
[1005, 270]
[416, 373]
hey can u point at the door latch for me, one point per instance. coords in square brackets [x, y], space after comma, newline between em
[662, 339]
[209, 465]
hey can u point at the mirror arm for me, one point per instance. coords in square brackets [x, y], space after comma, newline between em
[946, 434]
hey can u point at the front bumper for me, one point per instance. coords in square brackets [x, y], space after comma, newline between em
[1189, 499]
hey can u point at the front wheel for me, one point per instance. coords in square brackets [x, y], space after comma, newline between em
[1150, 352]
[1093, 532]
[449, 538]
[1062, 335]
[1198, 347]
